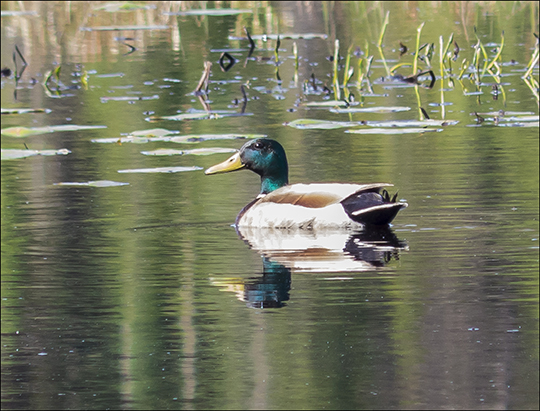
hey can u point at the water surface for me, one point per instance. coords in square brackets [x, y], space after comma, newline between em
[143, 296]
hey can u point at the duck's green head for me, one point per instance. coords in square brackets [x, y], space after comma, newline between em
[263, 156]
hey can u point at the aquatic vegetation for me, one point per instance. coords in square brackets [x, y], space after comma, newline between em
[25, 110]
[12, 153]
[21, 132]
[131, 27]
[306, 124]
[123, 6]
[161, 170]
[209, 12]
[380, 109]
[174, 138]
[328, 125]
[393, 130]
[98, 183]
[194, 152]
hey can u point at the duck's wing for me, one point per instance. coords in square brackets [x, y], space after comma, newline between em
[318, 195]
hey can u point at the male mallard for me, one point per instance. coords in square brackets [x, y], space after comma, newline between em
[281, 205]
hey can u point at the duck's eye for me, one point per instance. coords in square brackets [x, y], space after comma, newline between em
[259, 145]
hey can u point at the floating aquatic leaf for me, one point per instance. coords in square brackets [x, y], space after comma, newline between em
[11, 154]
[525, 124]
[393, 130]
[123, 6]
[154, 132]
[33, 131]
[189, 138]
[163, 152]
[382, 110]
[129, 98]
[194, 152]
[110, 75]
[289, 36]
[186, 116]
[196, 138]
[98, 183]
[524, 119]
[411, 123]
[208, 12]
[24, 131]
[209, 150]
[118, 28]
[161, 170]
[508, 113]
[330, 103]
[122, 140]
[6, 13]
[308, 124]
[25, 110]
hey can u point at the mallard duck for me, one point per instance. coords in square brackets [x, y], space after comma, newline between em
[305, 206]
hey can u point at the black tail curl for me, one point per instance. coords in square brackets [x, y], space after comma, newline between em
[372, 207]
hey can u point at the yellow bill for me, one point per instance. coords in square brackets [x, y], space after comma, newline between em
[231, 164]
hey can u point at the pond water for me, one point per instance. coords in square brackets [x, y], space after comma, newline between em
[144, 296]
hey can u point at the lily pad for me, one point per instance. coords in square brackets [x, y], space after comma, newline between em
[163, 152]
[105, 99]
[134, 140]
[186, 116]
[20, 132]
[25, 110]
[508, 113]
[208, 12]
[161, 170]
[519, 119]
[382, 110]
[123, 6]
[154, 132]
[186, 139]
[411, 123]
[194, 152]
[308, 124]
[11, 154]
[525, 124]
[330, 103]
[6, 13]
[110, 75]
[393, 130]
[119, 28]
[196, 138]
[98, 183]
[288, 36]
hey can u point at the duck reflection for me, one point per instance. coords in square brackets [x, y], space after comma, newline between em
[301, 251]
[325, 250]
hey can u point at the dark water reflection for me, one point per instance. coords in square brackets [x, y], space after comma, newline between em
[144, 297]
[310, 251]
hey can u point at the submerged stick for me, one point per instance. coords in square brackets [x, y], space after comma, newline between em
[204, 78]
[24, 64]
[277, 49]
[251, 42]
